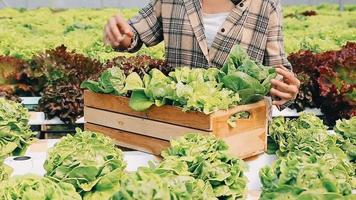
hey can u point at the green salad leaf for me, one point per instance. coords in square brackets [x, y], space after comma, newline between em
[346, 132]
[207, 159]
[35, 187]
[192, 89]
[111, 81]
[249, 79]
[15, 133]
[139, 101]
[306, 133]
[133, 82]
[88, 160]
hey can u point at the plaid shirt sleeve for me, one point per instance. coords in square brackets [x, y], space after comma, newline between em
[147, 26]
[274, 53]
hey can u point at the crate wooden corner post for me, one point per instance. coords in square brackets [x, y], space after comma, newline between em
[249, 137]
[150, 131]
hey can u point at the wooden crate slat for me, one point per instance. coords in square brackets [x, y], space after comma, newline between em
[247, 144]
[131, 140]
[137, 125]
[165, 113]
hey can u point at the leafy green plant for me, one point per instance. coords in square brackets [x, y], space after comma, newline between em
[311, 164]
[162, 183]
[58, 74]
[14, 77]
[35, 187]
[298, 176]
[307, 134]
[207, 159]
[89, 161]
[249, 79]
[141, 64]
[111, 81]
[327, 81]
[346, 131]
[15, 133]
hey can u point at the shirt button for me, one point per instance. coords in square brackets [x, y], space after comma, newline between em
[222, 30]
[241, 5]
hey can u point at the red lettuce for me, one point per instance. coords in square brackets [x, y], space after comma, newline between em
[59, 74]
[140, 64]
[328, 81]
[14, 77]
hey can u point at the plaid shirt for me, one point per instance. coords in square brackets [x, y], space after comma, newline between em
[254, 24]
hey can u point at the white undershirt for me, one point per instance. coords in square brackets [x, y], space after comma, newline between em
[212, 23]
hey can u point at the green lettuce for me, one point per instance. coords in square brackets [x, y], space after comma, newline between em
[162, 183]
[35, 187]
[192, 89]
[307, 133]
[249, 79]
[207, 159]
[346, 132]
[299, 176]
[15, 133]
[88, 160]
[111, 81]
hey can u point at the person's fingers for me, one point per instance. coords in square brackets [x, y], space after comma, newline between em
[293, 89]
[288, 76]
[279, 102]
[282, 95]
[115, 32]
[111, 39]
[123, 26]
[280, 85]
[282, 67]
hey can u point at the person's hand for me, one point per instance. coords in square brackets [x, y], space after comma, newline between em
[118, 33]
[285, 89]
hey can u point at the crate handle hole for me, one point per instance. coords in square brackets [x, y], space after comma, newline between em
[232, 121]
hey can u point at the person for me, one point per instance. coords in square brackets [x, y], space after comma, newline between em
[201, 33]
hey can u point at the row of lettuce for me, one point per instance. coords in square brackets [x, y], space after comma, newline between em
[57, 74]
[24, 33]
[311, 164]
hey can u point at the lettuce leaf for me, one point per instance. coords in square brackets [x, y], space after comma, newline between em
[299, 176]
[306, 133]
[111, 81]
[207, 159]
[35, 187]
[88, 160]
[249, 79]
[15, 133]
[346, 132]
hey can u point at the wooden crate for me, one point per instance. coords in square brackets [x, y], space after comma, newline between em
[150, 131]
